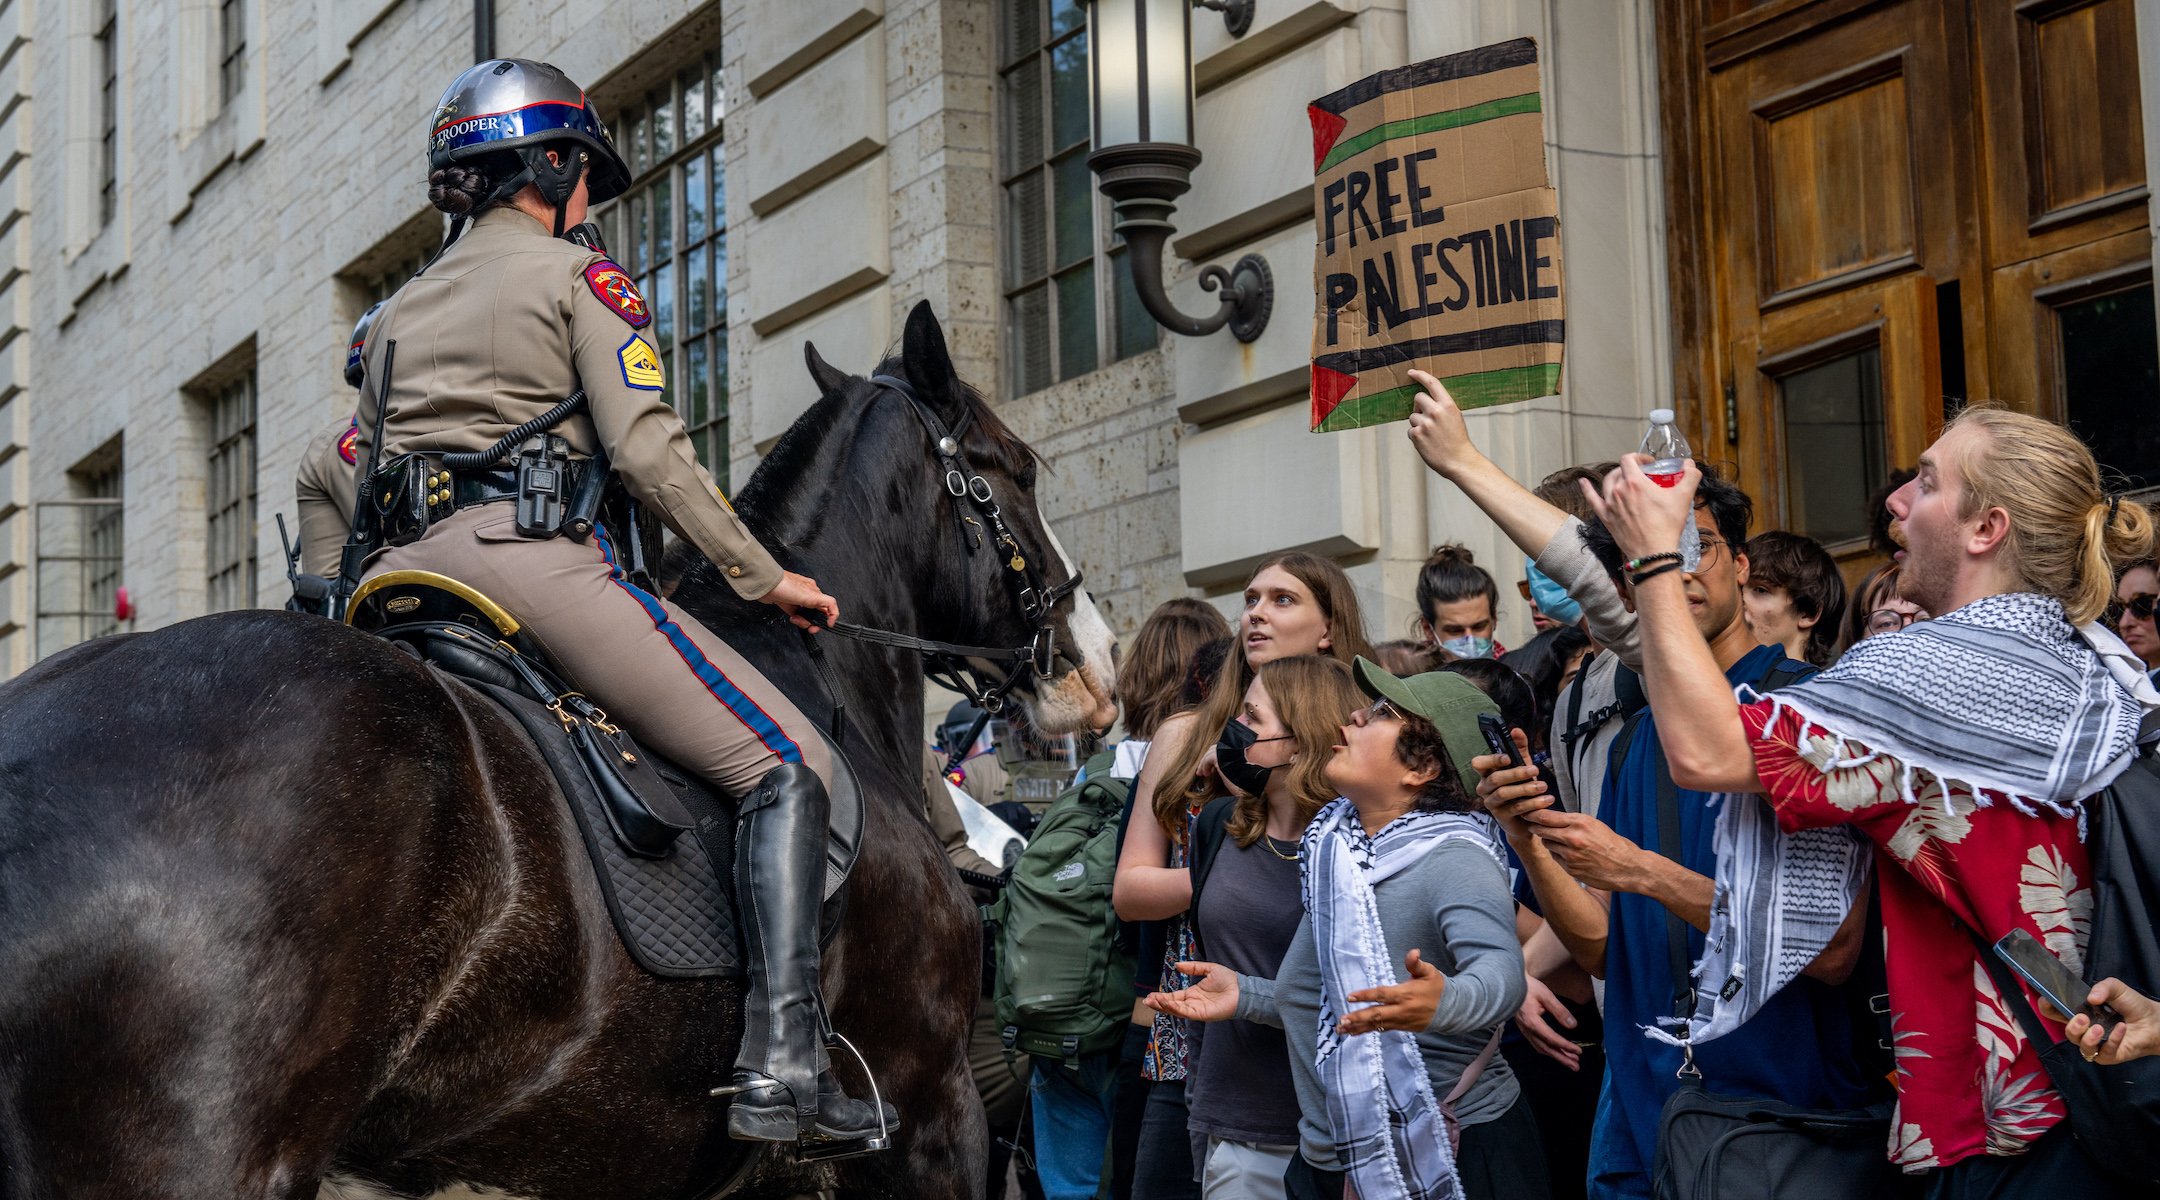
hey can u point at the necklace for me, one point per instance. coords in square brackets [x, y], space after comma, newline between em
[1270, 840]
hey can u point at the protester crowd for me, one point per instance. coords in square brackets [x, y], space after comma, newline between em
[1721, 843]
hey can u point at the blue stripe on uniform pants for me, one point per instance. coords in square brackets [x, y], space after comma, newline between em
[716, 682]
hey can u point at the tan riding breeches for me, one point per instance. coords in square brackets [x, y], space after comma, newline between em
[667, 679]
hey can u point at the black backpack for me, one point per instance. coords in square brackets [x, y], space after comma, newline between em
[2114, 1111]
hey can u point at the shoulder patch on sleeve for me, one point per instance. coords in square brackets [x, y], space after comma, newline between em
[640, 366]
[348, 444]
[612, 285]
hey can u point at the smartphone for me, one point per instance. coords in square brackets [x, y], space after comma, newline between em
[1497, 739]
[2049, 977]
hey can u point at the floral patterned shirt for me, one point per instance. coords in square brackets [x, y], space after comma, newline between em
[1968, 1080]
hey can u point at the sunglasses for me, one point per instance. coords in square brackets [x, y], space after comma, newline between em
[2140, 606]
[1523, 586]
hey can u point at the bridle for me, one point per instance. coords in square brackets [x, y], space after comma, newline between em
[946, 662]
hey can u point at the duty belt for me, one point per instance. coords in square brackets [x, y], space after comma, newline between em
[468, 488]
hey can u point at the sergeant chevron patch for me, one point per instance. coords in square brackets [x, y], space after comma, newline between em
[612, 285]
[640, 366]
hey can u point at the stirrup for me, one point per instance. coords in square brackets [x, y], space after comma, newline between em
[755, 1085]
[819, 1149]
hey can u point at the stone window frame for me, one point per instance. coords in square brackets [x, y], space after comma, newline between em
[213, 128]
[232, 486]
[1070, 303]
[673, 141]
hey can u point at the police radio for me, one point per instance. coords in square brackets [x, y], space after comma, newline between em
[543, 467]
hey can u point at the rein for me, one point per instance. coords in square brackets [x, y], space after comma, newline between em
[946, 662]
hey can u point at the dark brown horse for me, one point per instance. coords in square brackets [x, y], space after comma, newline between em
[281, 911]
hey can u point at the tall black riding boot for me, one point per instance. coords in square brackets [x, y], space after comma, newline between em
[783, 1084]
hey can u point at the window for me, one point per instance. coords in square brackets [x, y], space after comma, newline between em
[231, 559]
[381, 287]
[232, 49]
[2111, 383]
[80, 543]
[1058, 258]
[669, 230]
[1835, 445]
[108, 50]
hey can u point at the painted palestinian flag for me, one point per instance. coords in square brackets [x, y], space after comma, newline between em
[1439, 244]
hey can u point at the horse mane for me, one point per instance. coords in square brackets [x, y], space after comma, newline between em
[793, 454]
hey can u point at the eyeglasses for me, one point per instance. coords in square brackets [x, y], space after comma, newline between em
[2140, 606]
[1889, 620]
[1378, 710]
[1523, 586]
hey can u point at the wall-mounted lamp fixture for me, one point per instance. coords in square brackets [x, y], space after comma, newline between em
[1140, 54]
[1236, 14]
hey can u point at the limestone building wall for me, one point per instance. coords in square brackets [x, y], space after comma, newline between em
[866, 162]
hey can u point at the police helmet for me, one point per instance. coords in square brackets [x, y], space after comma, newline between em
[518, 108]
[354, 369]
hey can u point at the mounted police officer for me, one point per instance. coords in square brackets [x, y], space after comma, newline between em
[509, 320]
[325, 482]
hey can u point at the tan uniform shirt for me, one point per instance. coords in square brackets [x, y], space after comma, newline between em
[324, 486]
[507, 323]
[945, 818]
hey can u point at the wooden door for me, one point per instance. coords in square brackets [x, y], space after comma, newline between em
[1836, 138]
[1831, 395]
[1882, 210]
[2070, 308]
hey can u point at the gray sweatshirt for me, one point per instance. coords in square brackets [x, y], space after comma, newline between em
[1454, 907]
[1580, 769]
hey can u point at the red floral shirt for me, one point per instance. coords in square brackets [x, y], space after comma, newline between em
[1968, 1080]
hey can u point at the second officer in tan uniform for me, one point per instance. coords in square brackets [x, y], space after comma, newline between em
[325, 482]
[509, 320]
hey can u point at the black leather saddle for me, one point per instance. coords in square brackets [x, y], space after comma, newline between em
[662, 841]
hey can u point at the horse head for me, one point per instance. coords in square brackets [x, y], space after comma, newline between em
[998, 575]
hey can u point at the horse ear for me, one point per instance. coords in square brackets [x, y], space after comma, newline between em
[828, 377]
[928, 363]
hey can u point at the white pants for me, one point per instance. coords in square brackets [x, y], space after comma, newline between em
[1244, 1170]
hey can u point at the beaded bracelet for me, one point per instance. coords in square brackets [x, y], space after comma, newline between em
[1654, 572]
[1637, 564]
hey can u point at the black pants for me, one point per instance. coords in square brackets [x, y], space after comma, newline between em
[1501, 1159]
[2053, 1168]
[1163, 1161]
[1563, 1101]
[1133, 1088]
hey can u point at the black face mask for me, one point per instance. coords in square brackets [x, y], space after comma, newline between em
[1238, 737]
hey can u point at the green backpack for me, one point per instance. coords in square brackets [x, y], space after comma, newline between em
[1064, 983]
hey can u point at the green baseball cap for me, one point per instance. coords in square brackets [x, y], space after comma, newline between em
[1451, 702]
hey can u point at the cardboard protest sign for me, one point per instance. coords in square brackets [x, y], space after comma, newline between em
[1439, 238]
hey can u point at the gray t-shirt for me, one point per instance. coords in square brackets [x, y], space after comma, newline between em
[1454, 907]
[1238, 1085]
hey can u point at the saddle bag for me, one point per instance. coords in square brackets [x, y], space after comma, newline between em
[643, 812]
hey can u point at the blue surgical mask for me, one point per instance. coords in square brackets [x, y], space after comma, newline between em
[1552, 599]
[1468, 645]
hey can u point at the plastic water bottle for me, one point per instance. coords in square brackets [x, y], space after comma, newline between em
[1668, 453]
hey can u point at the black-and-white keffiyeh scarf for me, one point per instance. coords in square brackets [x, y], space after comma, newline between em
[1390, 1134]
[2002, 696]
